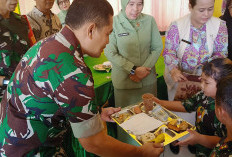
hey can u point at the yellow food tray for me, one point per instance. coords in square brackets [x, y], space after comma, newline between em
[160, 113]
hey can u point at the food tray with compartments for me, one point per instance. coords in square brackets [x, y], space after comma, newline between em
[170, 127]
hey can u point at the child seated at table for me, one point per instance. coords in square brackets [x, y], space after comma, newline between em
[207, 125]
[223, 110]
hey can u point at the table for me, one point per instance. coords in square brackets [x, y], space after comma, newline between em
[100, 77]
[102, 81]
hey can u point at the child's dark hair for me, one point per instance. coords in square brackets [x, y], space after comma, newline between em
[218, 68]
[224, 95]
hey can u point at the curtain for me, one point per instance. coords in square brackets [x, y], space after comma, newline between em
[166, 11]
[162, 10]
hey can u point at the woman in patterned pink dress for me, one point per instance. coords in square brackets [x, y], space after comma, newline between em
[197, 49]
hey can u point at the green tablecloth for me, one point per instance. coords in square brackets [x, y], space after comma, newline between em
[100, 77]
[102, 80]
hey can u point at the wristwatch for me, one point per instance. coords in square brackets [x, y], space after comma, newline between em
[5, 81]
[132, 72]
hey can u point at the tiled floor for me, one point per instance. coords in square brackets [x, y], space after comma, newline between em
[184, 152]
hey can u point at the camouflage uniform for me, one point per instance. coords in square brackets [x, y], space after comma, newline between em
[51, 88]
[222, 149]
[14, 43]
[206, 120]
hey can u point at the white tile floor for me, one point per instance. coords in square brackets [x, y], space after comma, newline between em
[184, 152]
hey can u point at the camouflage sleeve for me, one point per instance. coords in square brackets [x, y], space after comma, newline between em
[74, 95]
[5, 51]
[12, 47]
[193, 103]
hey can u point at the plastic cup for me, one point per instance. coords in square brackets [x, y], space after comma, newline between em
[148, 102]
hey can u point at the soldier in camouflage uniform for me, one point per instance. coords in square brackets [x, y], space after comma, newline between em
[14, 42]
[52, 89]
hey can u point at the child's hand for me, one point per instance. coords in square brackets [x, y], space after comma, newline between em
[191, 140]
[156, 100]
